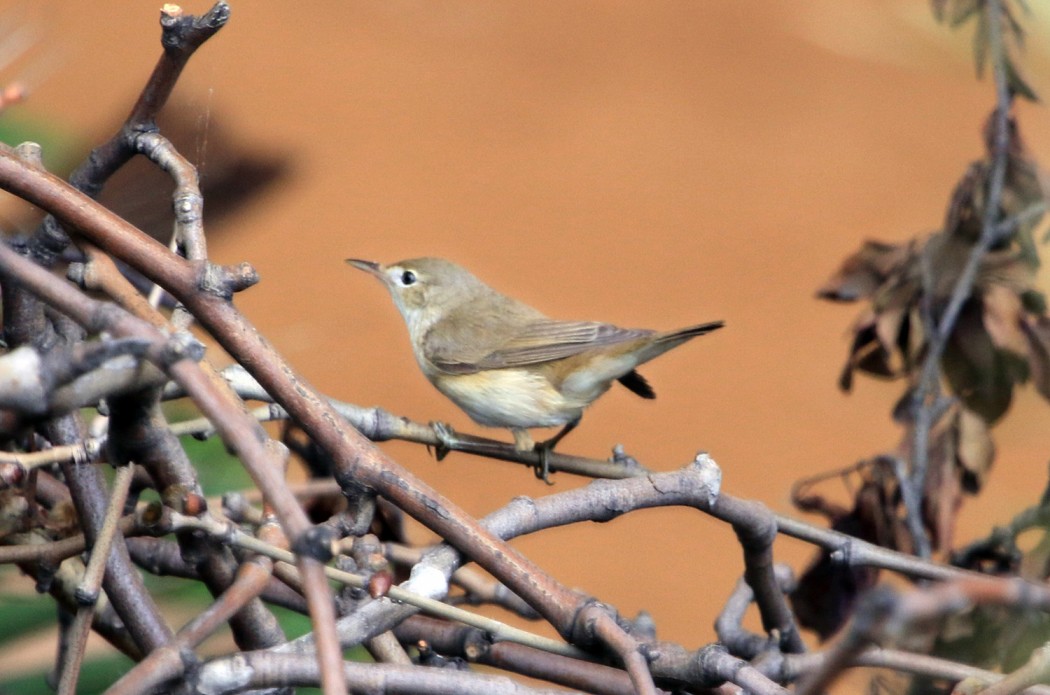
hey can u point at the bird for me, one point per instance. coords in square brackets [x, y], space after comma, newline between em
[507, 364]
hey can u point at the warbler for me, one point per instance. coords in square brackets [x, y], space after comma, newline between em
[505, 363]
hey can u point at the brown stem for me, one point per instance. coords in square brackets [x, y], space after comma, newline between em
[472, 644]
[181, 36]
[265, 670]
[243, 435]
[169, 662]
[357, 461]
[138, 431]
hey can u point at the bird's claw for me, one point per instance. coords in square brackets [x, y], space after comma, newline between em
[542, 470]
[446, 437]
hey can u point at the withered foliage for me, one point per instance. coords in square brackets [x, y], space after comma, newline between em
[1000, 339]
[1002, 335]
[1010, 32]
[995, 636]
[827, 590]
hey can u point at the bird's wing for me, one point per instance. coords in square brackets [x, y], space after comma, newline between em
[535, 342]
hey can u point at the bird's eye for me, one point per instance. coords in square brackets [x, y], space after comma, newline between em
[408, 278]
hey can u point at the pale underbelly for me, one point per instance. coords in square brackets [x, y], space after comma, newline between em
[511, 398]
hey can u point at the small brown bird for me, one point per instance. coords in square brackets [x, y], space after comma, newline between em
[505, 363]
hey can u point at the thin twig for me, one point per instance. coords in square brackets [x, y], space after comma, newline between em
[357, 461]
[254, 670]
[87, 592]
[240, 432]
[170, 662]
[499, 631]
[925, 398]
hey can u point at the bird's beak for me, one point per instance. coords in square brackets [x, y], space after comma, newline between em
[370, 267]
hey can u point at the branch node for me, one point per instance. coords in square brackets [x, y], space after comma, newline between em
[622, 458]
[183, 33]
[155, 518]
[709, 474]
[31, 153]
[86, 596]
[192, 503]
[758, 528]
[188, 207]
[25, 384]
[223, 280]
[427, 580]
[651, 652]
[12, 475]
[316, 543]
[842, 555]
[709, 665]
[583, 628]
[476, 644]
[180, 346]
[77, 273]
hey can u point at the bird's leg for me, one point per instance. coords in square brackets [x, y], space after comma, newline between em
[545, 448]
[522, 439]
[446, 437]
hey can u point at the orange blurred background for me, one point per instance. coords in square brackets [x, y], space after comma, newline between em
[648, 164]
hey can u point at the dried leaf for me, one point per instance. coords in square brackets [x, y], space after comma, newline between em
[888, 326]
[827, 590]
[974, 449]
[1008, 269]
[1013, 25]
[816, 504]
[1034, 302]
[979, 374]
[961, 10]
[1024, 184]
[866, 354]
[980, 43]
[962, 218]
[938, 9]
[878, 508]
[1003, 319]
[864, 272]
[942, 495]
[1017, 82]
[1037, 331]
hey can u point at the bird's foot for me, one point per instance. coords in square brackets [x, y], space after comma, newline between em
[446, 439]
[523, 442]
[545, 448]
[542, 469]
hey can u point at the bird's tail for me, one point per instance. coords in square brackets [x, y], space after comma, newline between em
[664, 342]
[684, 334]
[672, 339]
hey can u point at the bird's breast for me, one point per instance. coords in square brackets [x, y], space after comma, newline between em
[521, 398]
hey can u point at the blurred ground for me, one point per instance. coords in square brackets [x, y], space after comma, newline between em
[649, 164]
